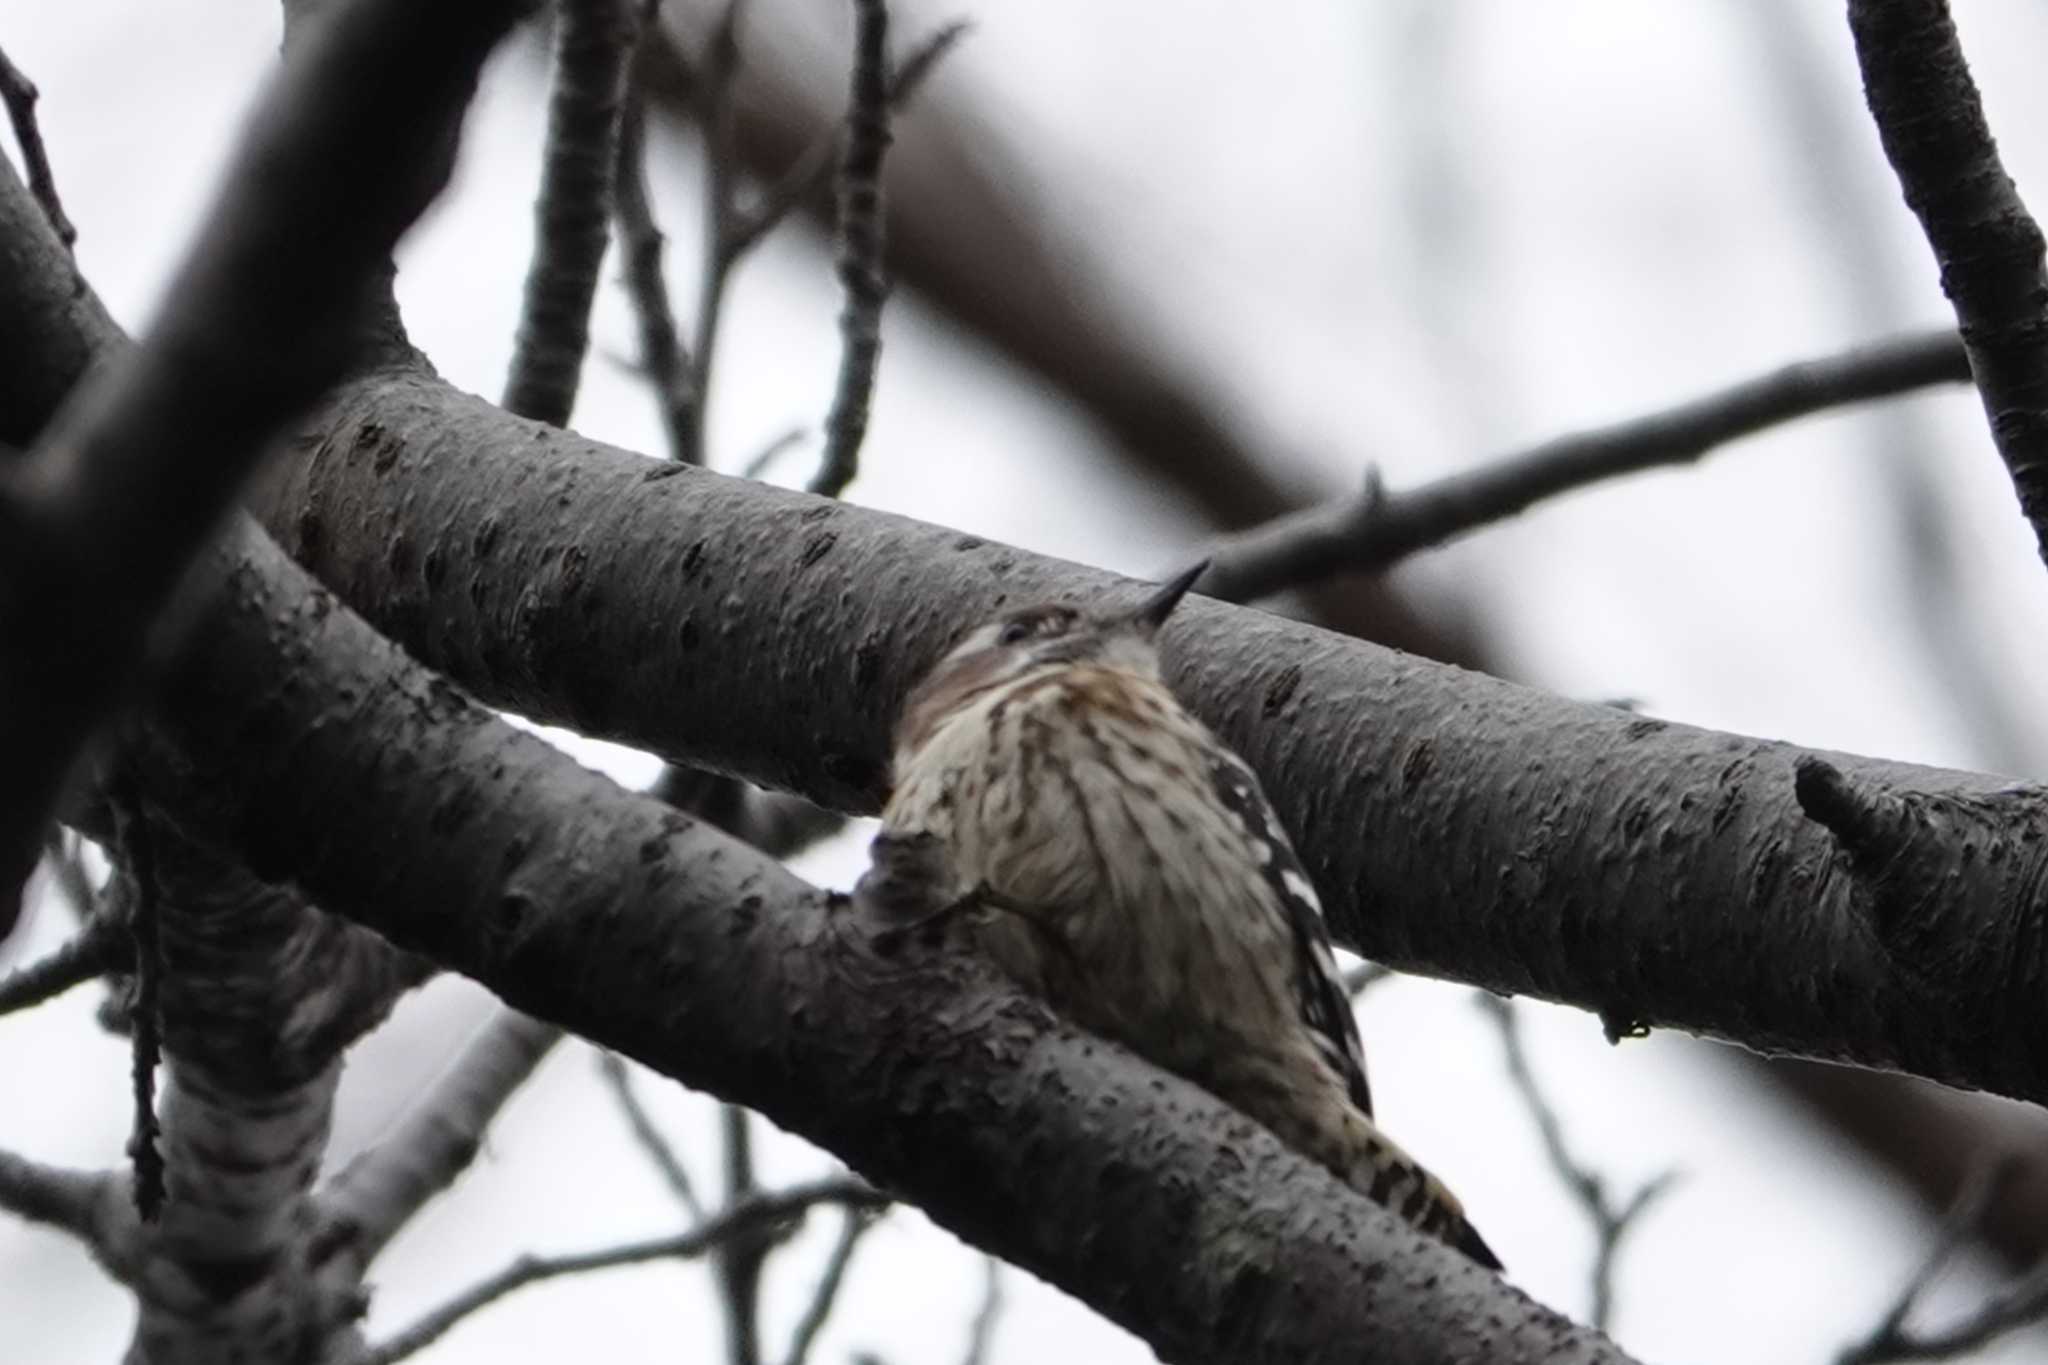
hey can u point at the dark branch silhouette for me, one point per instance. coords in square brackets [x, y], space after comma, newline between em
[100, 944]
[1989, 248]
[19, 94]
[266, 310]
[1611, 1221]
[1379, 527]
[2020, 1304]
[858, 230]
[988, 1108]
[758, 1212]
[641, 1124]
[593, 43]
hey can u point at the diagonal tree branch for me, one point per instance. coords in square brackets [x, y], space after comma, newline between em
[72, 1201]
[377, 1194]
[926, 1071]
[1638, 835]
[97, 946]
[1989, 248]
[1611, 1221]
[1378, 528]
[1625, 840]
[854, 1224]
[594, 41]
[345, 150]
[19, 94]
[664, 1157]
[2023, 1302]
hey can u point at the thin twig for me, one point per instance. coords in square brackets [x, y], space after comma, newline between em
[20, 95]
[754, 1215]
[1610, 1223]
[1379, 527]
[983, 1330]
[2020, 1304]
[664, 1157]
[732, 230]
[641, 245]
[714, 93]
[739, 1258]
[767, 455]
[852, 1227]
[138, 848]
[859, 233]
[97, 947]
[572, 216]
[807, 177]
[378, 1193]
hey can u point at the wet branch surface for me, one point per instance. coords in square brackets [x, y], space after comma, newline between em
[1658, 874]
[703, 959]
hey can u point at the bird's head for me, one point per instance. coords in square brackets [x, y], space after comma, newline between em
[1024, 640]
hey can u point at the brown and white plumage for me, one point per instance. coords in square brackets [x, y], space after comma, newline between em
[1148, 891]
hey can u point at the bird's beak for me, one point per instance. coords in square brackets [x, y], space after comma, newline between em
[1151, 614]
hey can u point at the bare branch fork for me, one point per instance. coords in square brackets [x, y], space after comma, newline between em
[138, 471]
[733, 227]
[1380, 527]
[2020, 1304]
[753, 1216]
[1611, 1222]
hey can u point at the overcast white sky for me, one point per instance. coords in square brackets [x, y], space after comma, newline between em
[1413, 232]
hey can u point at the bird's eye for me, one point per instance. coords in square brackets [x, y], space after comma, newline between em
[1013, 633]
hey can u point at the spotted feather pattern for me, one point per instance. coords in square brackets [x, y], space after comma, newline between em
[1319, 989]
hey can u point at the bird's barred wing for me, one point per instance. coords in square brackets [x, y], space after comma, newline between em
[1318, 988]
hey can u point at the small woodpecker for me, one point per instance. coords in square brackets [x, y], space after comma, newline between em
[1115, 857]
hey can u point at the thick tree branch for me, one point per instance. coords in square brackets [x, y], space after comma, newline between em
[1657, 874]
[753, 1217]
[593, 41]
[378, 1193]
[71, 1201]
[1988, 247]
[1595, 859]
[344, 151]
[923, 1069]
[261, 995]
[1378, 527]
